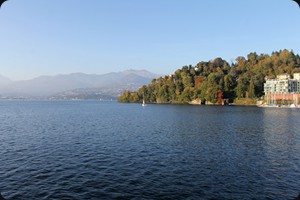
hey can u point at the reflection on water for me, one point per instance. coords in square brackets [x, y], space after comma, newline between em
[104, 150]
[281, 136]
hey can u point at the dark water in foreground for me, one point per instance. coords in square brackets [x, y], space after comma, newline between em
[105, 150]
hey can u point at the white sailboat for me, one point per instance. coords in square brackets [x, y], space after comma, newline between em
[143, 104]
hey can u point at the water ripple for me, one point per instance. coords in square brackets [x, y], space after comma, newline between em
[95, 150]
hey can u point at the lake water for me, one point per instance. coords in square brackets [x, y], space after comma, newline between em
[69, 150]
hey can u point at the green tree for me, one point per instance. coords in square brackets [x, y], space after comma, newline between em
[163, 94]
[251, 91]
[216, 79]
[241, 88]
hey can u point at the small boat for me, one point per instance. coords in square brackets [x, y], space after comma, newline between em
[143, 104]
[292, 106]
[268, 106]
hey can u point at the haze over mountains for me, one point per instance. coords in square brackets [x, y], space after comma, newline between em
[76, 85]
[4, 80]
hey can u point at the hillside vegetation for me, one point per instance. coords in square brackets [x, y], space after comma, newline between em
[215, 80]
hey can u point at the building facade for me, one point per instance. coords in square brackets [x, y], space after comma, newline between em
[283, 90]
[297, 76]
[283, 84]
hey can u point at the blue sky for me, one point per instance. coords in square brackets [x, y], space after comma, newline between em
[49, 37]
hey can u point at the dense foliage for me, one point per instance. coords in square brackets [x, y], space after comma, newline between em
[217, 79]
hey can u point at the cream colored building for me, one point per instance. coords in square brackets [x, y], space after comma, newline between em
[283, 84]
[283, 76]
[297, 76]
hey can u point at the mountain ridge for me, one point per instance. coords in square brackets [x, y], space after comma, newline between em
[4, 80]
[52, 85]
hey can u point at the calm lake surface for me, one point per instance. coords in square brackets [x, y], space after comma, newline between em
[105, 150]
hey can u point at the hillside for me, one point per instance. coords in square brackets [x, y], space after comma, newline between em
[4, 81]
[216, 80]
[112, 84]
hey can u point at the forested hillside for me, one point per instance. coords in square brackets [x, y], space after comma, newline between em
[217, 79]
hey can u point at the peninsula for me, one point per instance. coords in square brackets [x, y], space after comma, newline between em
[217, 81]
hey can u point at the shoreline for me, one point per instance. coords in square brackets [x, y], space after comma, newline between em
[230, 104]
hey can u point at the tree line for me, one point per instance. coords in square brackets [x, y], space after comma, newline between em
[217, 79]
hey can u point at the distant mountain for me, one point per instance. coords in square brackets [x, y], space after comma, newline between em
[4, 81]
[142, 73]
[78, 84]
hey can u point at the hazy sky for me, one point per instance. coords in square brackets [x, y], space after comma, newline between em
[49, 37]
